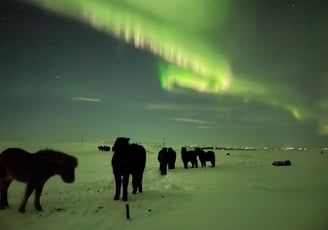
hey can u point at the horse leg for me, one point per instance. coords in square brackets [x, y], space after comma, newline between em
[140, 182]
[4, 185]
[185, 164]
[196, 163]
[2, 194]
[163, 168]
[125, 186]
[5, 194]
[135, 183]
[118, 182]
[38, 191]
[28, 192]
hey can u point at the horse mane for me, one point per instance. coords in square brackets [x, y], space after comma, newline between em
[57, 157]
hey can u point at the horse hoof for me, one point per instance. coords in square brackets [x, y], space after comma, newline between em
[125, 199]
[116, 197]
[21, 210]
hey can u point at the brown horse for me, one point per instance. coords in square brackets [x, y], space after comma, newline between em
[33, 169]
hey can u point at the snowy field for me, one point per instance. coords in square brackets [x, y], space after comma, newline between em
[244, 191]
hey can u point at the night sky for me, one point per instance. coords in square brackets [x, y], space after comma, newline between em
[241, 72]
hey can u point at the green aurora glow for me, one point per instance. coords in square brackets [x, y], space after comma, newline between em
[193, 60]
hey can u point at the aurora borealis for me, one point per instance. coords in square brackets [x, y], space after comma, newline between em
[238, 58]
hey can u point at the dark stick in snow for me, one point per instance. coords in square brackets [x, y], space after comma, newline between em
[127, 209]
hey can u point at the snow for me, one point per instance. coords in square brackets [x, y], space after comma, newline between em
[243, 191]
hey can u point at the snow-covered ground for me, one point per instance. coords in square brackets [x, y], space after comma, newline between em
[244, 191]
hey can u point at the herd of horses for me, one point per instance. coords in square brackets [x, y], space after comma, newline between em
[167, 158]
[35, 169]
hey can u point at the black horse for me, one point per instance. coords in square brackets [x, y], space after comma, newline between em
[128, 159]
[189, 156]
[163, 159]
[172, 158]
[282, 163]
[205, 156]
[166, 158]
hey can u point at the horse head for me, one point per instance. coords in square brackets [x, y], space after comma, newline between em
[63, 164]
[121, 143]
[66, 169]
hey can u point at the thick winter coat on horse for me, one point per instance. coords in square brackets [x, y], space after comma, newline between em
[34, 169]
[128, 159]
